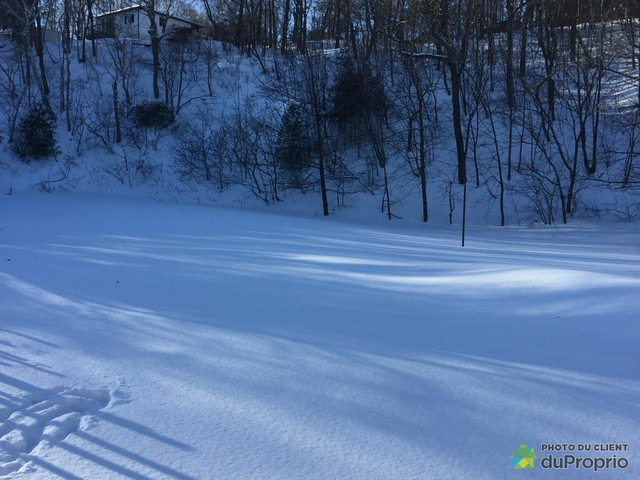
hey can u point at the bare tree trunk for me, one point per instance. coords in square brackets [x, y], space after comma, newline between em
[68, 93]
[464, 212]
[422, 152]
[39, 44]
[511, 100]
[319, 129]
[300, 26]
[240, 25]
[155, 52]
[116, 110]
[526, 23]
[285, 26]
[457, 121]
[547, 39]
[274, 24]
[150, 9]
[65, 66]
[631, 149]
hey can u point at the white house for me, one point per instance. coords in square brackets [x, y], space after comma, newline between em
[134, 22]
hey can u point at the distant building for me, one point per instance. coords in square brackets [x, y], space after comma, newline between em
[134, 22]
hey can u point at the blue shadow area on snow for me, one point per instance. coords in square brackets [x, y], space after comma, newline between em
[486, 336]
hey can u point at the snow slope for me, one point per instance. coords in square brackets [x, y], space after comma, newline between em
[150, 340]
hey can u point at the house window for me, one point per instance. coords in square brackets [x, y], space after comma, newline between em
[110, 26]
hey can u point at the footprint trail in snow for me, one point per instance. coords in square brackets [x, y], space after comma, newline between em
[45, 419]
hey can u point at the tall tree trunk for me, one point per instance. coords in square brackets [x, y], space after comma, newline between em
[92, 26]
[300, 25]
[39, 44]
[285, 26]
[116, 110]
[423, 157]
[526, 24]
[461, 153]
[273, 43]
[68, 93]
[511, 96]
[547, 39]
[240, 26]
[155, 52]
[319, 130]
[155, 46]
[336, 29]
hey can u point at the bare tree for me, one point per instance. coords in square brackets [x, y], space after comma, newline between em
[14, 91]
[420, 122]
[156, 36]
[304, 79]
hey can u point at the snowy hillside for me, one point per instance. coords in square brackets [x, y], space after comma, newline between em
[238, 130]
[154, 340]
[257, 272]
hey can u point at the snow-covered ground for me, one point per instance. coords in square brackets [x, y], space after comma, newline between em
[147, 340]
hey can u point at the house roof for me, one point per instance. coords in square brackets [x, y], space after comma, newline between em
[140, 7]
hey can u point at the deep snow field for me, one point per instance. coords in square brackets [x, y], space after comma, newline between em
[147, 340]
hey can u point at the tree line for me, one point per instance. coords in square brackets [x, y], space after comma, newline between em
[528, 101]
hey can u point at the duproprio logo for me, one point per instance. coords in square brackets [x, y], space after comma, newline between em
[523, 457]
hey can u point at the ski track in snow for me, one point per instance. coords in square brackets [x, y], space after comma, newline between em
[43, 420]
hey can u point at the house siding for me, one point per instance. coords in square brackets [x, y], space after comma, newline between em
[122, 25]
